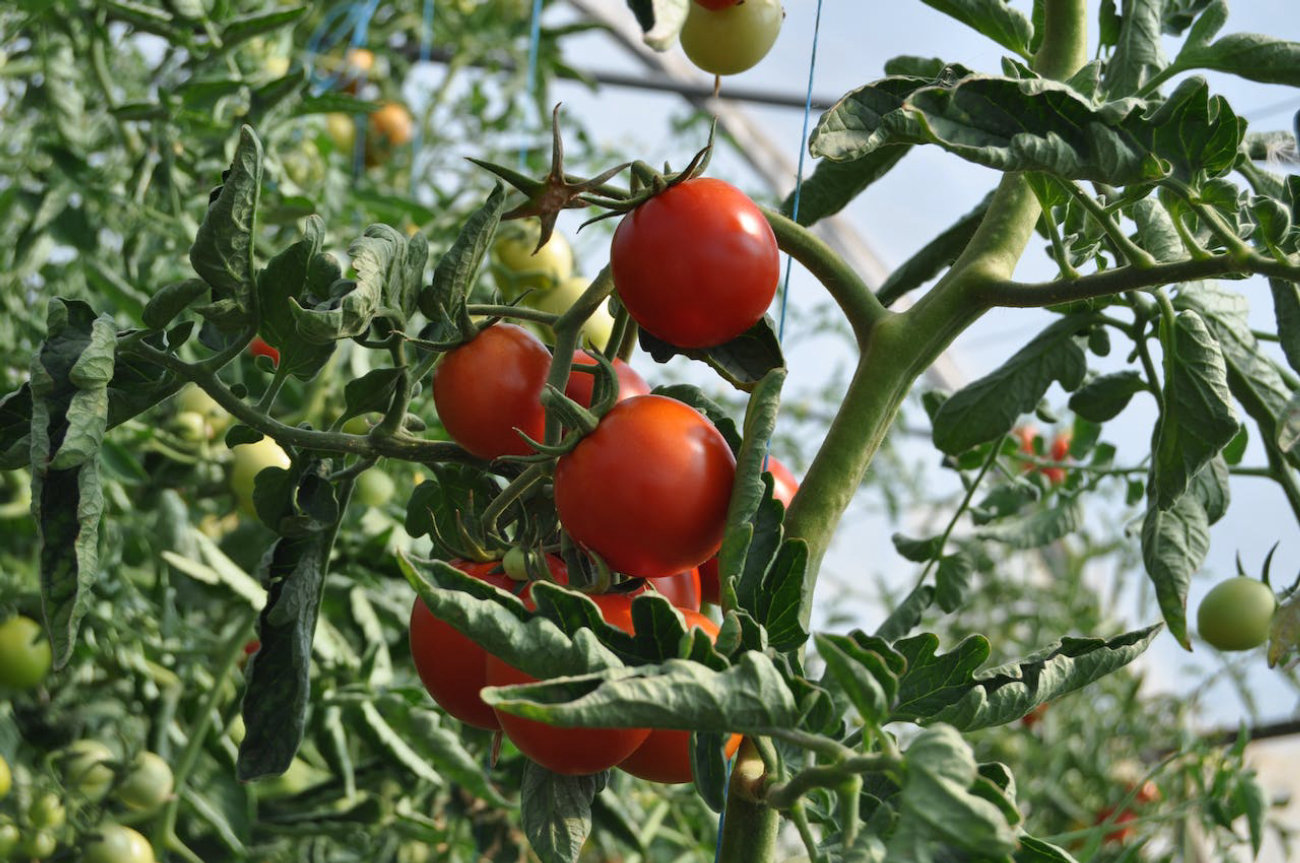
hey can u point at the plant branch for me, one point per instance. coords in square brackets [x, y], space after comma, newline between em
[783, 795]
[858, 302]
[1121, 279]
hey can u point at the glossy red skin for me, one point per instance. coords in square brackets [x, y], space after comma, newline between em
[490, 386]
[259, 348]
[682, 590]
[715, 5]
[696, 265]
[783, 488]
[1122, 834]
[581, 385]
[666, 754]
[451, 666]
[648, 489]
[571, 751]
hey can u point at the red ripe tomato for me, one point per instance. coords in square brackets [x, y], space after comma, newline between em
[696, 265]
[783, 488]
[490, 386]
[666, 754]
[1122, 833]
[572, 751]
[258, 347]
[450, 665]
[682, 589]
[648, 489]
[581, 385]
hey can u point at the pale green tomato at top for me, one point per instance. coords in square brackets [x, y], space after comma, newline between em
[24, 653]
[731, 40]
[1237, 614]
[250, 459]
[519, 270]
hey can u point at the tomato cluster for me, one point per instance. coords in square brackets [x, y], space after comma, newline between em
[1057, 451]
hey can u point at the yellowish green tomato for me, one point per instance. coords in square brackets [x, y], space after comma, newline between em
[47, 812]
[38, 845]
[86, 769]
[357, 425]
[193, 398]
[1237, 614]
[297, 778]
[24, 653]
[9, 838]
[519, 270]
[6, 779]
[250, 459]
[148, 783]
[596, 329]
[374, 488]
[730, 40]
[342, 130]
[190, 426]
[117, 844]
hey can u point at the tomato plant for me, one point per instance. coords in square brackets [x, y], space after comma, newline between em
[24, 653]
[1237, 614]
[648, 489]
[115, 843]
[580, 385]
[147, 784]
[521, 266]
[247, 461]
[682, 590]
[569, 751]
[784, 485]
[727, 38]
[490, 386]
[665, 756]
[596, 329]
[259, 348]
[697, 264]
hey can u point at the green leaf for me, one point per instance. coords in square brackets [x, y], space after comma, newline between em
[350, 306]
[947, 688]
[985, 410]
[1138, 55]
[292, 277]
[386, 257]
[15, 428]
[242, 29]
[278, 692]
[1033, 850]
[862, 674]
[1174, 545]
[934, 257]
[556, 811]
[937, 804]
[69, 414]
[742, 362]
[907, 615]
[834, 184]
[1253, 376]
[1197, 419]
[1286, 309]
[952, 580]
[918, 550]
[750, 697]
[222, 253]
[170, 301]
[453, 277]
[1252, 56]
[436, 507]
[1212, 488]
[851, 129]
[396, 746]
[995, 19]
[1105, 397]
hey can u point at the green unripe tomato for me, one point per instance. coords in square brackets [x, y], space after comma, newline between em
[194, 399]
[148, 783]
[117, 844]
[342, 132]
[733, 39]
[190, 426]
[38, 845]
[357, 425]
[9, 838]
[596, 330]
[296, 779]
[375, 488]
[519, 270]
[86, 770]
[250, 459]
[6, 779]
[1237, 614]
[47, 812]
[24, 653]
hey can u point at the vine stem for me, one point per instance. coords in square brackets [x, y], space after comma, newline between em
[961, 509]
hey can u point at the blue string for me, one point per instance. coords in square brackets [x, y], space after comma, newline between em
[534, 38]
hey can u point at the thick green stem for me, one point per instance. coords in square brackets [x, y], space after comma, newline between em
[750, 829]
